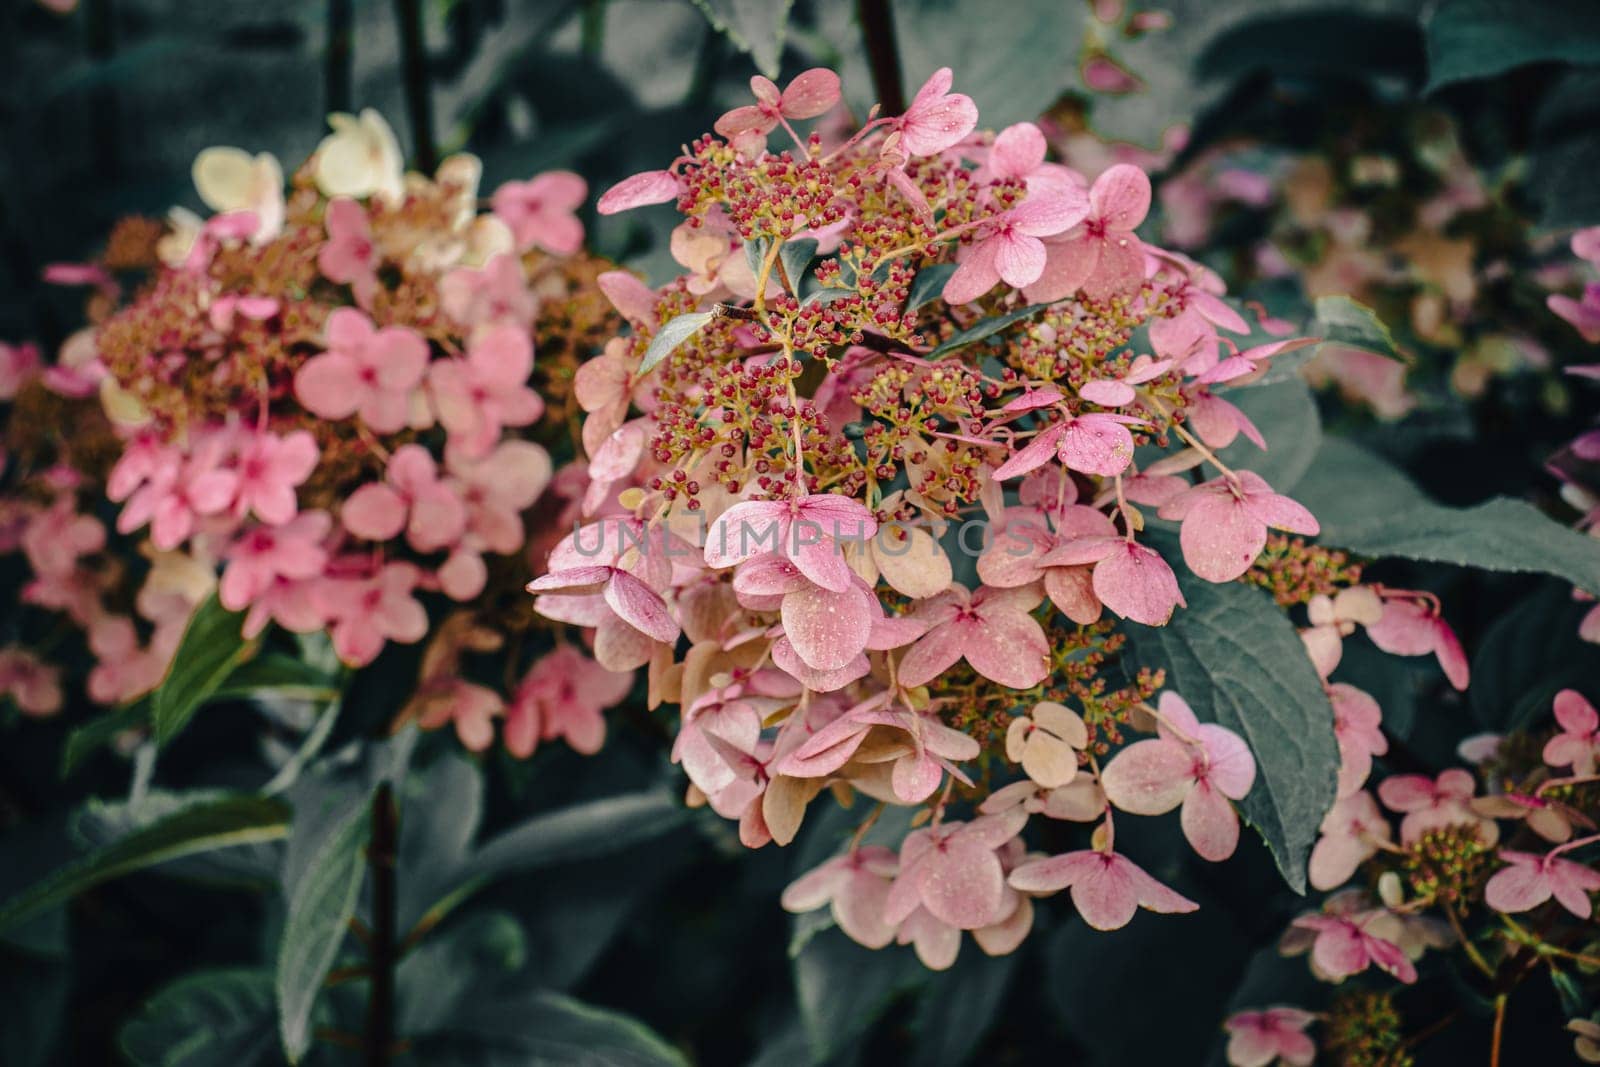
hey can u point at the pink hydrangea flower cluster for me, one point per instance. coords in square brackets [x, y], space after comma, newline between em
[320, 406]
[882, 346]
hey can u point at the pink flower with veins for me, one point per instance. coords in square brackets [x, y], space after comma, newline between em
[1225, 523]
[296, 604]
[412, 497]
[937, 118]
[1018, 154]
[1529, 880]
[349, 256]
[1578, 744]
[495, 294]
[1014, 558]
[367, 611]
[180, 490]
[1335, 618]
[365, 371]
[854, 887]
[806, 530]
[33, 685]
[639, 190]
[1344, 946]
[471, 707]
[266, 553]
[1009, 248]
[497, 489]
[1411, 625]
[811, 93]
[1257, 1038]
[991, 629]
[952, 870]
[1107, 887]
[1352, 832]
[608, 597]
[562, 696]
[1096, 443]
[733, 714]
[1046, 743]
[915, 775]
[541, 213]
[1358, 729]
[268, 470]
[1201, 766]
[827, 630]
[1433, 804]
[1101, 255]
[1131, 580]
[1217, 422]
[1117, 392]
[477, 396]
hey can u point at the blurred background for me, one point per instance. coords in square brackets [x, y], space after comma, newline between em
[1429, 168]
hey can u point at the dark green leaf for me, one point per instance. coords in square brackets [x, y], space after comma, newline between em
[35, 995]
[1368, 506]
[986, 328]
[232, 820]
[321, 902]
[756, 27]
[671, 335]
[100, 730]
[1342, 321]
[439, 812]
[1529, 654]
[796, 256]
[1286, 415]
[843, 988]
[276, 674]
[210, 650]
[452, 966]
[1236, 658]
[929, 284]
[959, 1007]
[1482, 38]
[1561, 178]
[205, 1019]
[544, 1029]
[1013, 67]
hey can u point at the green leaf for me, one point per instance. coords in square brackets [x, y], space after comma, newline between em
[959, 1007]
[233, 820]
[1368, 506]
[220, 1018]
[796, 258]
[1530, 653]
[1342, 321]
[671, 335]
[929, 284]
[756, 27]
[543, 1029]
[34, 992]
[1286, 415]
[278, 675]
[843, 988]
[580, 832]
[100, 730]
[1014, 67]
[439, 813]
[211, 648]
[321, 902]
[986, 328]
[1236, 658]
[448, 968]
[1470, 39]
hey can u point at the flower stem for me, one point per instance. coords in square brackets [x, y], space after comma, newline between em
[877, 31]
[378, 1041]
[419, 101]
[1499, 1030]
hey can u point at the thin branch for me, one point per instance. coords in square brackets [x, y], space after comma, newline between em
[336, 91]
[414, 67]
[877, 31]
[378, 1042]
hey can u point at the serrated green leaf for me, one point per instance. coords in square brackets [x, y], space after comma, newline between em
[211, 648]
[1236, 658]
[220, 1018]
[986, 328]
[671, 335]
[321, 903]
[1468, 39]
[1368, 506]
[756, 27]
[928, 284]
[1342, 321]
[233, 820]
[100, 730]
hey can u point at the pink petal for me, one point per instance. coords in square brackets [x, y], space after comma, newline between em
[1035, 454]
[1136, 583]
[934, 653]
[1009, 648]
[640, 606]
[1121, 197]
[650, 187]
[811, 93]
[375, 512]
[1149, 777]
[828, 629]
[1210, 823]
[1220, 538]
[961, 883]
